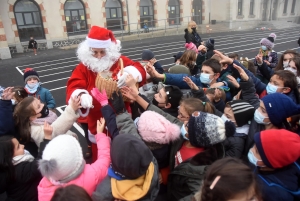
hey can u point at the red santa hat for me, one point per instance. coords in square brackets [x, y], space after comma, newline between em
[99, 37]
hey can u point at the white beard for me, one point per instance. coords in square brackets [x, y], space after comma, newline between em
[85, 55]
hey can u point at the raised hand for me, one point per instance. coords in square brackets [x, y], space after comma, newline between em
[233, 81]
[118, 102]
[130, 81]
[191, 84]
[47, 131]
[100, 125]
[100, 97]
[8, 93]
[224, 59]
[243, 74]
[76, 103]
[130, 93]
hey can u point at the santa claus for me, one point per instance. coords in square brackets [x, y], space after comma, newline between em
[99, 55]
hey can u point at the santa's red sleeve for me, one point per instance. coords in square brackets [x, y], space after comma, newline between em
[137, 70]
[77, 83]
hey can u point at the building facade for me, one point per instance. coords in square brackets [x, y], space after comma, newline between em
[54, 22]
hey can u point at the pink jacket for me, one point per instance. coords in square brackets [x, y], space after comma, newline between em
[91, 176]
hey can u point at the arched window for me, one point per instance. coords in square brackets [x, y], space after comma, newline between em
[174, 12]
[75, 17]
[197, 11]
[114, 14]
[146, 13]
[29, 21]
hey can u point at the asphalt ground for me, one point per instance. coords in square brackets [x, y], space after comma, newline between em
[55, 66]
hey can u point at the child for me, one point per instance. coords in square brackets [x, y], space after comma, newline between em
[71, 192]
[62, 164]
[275, 156]
[34, 88]
[148, 56]
[32, 45]
[228, 179]
[19, 95]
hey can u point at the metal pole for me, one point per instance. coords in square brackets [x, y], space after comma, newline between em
[128, 24]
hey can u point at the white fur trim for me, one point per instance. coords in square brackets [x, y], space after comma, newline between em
[75, 93]
[92, 137]
[94, 43]
[134, 72]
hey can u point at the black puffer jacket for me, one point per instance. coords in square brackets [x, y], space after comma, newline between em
[191, 37]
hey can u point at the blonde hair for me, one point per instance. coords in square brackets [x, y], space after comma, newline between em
[191, 23]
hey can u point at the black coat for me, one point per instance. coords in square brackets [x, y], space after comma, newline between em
[192, 37]
[27, 179]
[32, 44]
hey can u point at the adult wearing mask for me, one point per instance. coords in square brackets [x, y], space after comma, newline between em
[191, 34]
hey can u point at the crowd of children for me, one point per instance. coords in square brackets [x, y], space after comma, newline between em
[212, 127]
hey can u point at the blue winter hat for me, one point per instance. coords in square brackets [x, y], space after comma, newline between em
[279, 107]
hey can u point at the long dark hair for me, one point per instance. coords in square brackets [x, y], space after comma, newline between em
[280, 62]
[235, 178]
[20, 93]
[22, 114]
[6, 155]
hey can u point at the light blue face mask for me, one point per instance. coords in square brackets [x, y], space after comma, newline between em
[271, 89]
[253, 159]
[183, 132]
[204, 78]
[32, 88]
[264, 48]
[259, 118]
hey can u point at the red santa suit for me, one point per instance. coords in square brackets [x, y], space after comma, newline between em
[83, 78]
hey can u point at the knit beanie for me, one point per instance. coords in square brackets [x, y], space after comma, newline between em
[147, 55]
[269, 41]
[210, 43]
[206, 130]
[174, 95]
[130, 156]
[242, 111]
[191, 46]
[277, 148]
[153, 127]
[62, 159]
[30, 73]
[279, 107]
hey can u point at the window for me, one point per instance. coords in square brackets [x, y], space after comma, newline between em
[75, 17]
[146, 13]
[251, 7]
[28, 18]
[174, 12]
[114, 14]
[240, 7]
[285, 6]
[293, 6]
[197, 11]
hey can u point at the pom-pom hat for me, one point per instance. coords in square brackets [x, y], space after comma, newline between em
[30, 73]
[269, 41]
[99, 37]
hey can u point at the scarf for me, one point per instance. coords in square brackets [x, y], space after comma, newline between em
[133, 189]
[32, 89]
[242, 131]
[49, 119]
[26, 157]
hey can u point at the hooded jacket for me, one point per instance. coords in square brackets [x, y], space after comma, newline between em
[191, 37]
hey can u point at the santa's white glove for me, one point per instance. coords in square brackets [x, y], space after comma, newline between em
[122, 80]
[86, 101]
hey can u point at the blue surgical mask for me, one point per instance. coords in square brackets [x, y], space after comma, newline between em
[264, 48]
[183, 132]
[253, 159]
[271, 89]
[32, 88]
[204, 78]
[259, 118]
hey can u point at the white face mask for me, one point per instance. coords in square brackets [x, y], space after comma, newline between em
[285, 64]
[259, 118]
[294, 71]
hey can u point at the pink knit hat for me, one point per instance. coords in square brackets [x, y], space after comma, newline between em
[153, 127]
[191, 46]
